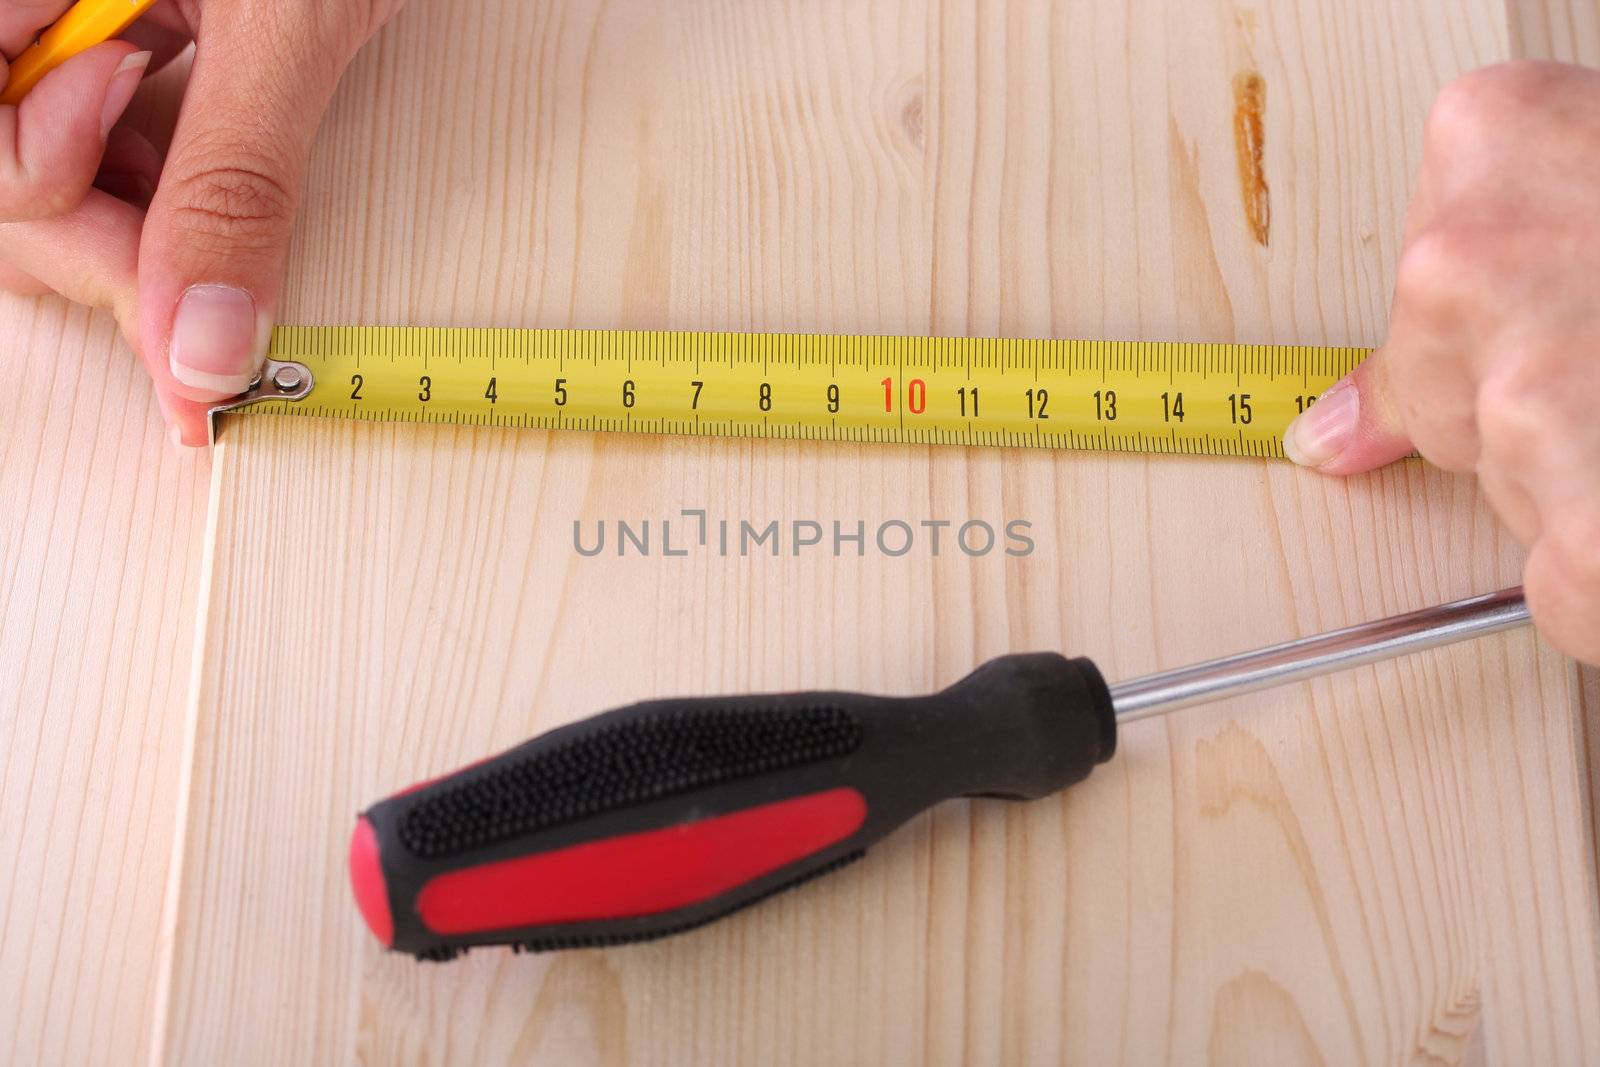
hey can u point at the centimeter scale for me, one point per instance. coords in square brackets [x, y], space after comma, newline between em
[1130, 396]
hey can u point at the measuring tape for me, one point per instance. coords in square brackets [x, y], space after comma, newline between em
[1127, 396]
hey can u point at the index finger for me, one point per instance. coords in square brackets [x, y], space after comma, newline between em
[21, 21]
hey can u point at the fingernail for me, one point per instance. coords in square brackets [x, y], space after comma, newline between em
[1325, 428]
[218, 339]
[175, 439]
[169, 415]
[124, 80]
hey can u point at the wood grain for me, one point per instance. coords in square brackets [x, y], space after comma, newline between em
[1564, 30]
[100, 543]
[1389, 865]
[101, 528]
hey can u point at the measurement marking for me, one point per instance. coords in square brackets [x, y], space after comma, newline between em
[1285, 372]
[899, 401]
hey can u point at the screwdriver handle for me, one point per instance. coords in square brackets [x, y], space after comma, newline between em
[660, 816]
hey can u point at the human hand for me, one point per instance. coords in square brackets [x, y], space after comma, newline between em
[1492, 363]
[187, 251]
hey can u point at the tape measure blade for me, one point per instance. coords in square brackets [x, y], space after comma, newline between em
[1179, 398]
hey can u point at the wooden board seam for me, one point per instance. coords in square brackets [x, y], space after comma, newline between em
[167, 940]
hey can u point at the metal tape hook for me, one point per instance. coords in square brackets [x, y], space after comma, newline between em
[279, 380]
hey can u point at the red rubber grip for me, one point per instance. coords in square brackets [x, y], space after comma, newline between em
[642, 873]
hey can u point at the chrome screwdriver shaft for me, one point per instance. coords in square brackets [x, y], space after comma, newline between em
[1308, 657]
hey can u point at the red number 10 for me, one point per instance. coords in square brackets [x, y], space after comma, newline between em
[916, 396]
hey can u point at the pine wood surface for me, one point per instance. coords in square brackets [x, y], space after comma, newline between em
[1394, 864]
[99, 560]
[101, 528]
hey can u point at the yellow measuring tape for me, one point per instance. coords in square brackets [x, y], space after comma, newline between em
[1213, 399]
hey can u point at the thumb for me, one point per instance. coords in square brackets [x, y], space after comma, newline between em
[212, 253]
[1352, 427]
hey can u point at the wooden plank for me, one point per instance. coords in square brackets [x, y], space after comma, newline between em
[1564, 30]
[100, 544]
[1385, 865]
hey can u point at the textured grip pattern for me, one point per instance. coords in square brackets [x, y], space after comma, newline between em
[619, 765]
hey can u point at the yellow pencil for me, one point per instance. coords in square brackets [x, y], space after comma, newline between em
[85, 24]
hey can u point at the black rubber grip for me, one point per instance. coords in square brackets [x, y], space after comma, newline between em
[660, 816]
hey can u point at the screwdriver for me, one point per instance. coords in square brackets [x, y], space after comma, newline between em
[662, 816]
